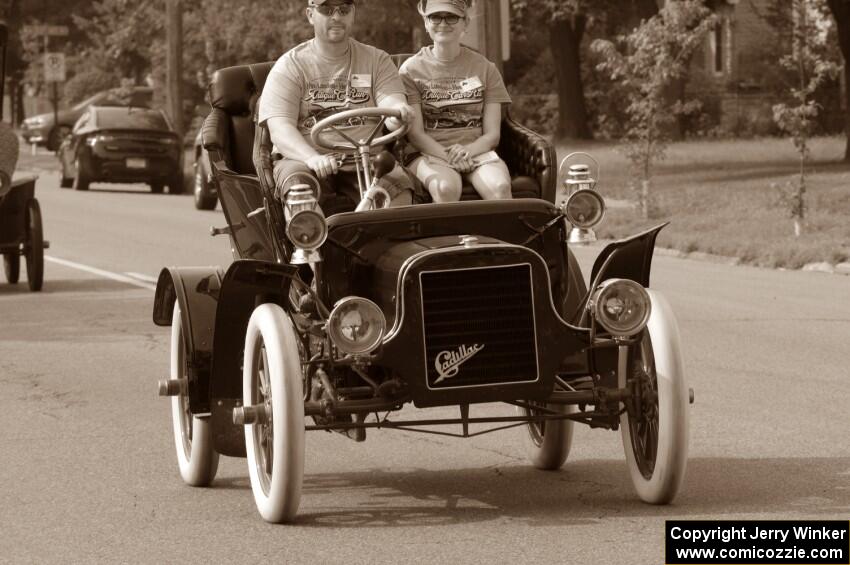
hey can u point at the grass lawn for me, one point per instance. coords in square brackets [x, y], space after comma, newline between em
[718, 198]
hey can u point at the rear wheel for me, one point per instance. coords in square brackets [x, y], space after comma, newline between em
[655, 430]
[12, 267]
[548, 442]
[35, 246]
[157, 187]
[82, 173]
[196, 458]
[272, 378]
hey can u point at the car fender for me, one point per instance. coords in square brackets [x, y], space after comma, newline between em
[247, 284]
[629, 258]
[196, 290]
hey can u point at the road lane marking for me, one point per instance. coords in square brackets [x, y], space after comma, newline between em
[100, 272]
[141, 277]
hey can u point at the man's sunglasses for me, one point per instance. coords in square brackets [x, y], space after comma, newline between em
[329, 11]
[450, 19]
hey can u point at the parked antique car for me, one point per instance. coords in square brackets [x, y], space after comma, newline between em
[337, 323]
[122, 144]
[204, 188]
[21, 233]
[49, 130]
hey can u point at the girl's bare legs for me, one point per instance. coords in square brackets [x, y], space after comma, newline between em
[443, 182]
[492, 181]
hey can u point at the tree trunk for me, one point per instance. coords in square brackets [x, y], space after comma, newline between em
[565, 44]
[841, 12]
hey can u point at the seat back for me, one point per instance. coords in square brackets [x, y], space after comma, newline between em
[233, 94]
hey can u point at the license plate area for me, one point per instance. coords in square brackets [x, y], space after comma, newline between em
[136, 163]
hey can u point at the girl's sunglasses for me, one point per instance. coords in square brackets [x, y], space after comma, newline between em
[450, 19]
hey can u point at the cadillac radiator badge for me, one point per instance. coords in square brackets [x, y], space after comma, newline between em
[448, 363]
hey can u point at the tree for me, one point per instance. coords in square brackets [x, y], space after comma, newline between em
[809, 62]
[566, 23]
[649, 60]
[841, 12]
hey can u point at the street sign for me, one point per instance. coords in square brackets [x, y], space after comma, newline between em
[54, 67]
[55, 30]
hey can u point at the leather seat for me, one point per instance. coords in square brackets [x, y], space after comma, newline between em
[230, 131]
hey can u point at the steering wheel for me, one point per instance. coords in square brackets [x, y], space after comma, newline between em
[350, 144]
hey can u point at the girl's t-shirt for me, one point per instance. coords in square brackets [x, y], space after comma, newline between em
[453, 94]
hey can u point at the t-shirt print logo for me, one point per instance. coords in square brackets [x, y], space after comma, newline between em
[334, 92]
[439, 93]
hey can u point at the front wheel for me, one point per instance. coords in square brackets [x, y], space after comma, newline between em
[196, 458]
[272, 378]
[35, 246]
[12, 267]
[655, 431]
[548, 442]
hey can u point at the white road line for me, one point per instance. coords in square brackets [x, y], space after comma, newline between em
[141, 277]
[100, 272]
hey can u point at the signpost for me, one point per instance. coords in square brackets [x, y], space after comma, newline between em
[54, 63]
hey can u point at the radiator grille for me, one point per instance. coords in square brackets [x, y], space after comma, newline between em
[479, 326]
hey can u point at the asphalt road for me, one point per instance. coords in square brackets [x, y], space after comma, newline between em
[87, 463]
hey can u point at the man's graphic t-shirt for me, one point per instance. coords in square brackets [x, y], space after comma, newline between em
[305, 87]
[453, 94]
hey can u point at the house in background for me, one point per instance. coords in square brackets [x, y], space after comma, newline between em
[736, 73]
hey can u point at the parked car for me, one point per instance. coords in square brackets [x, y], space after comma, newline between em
[203, 185]
[336, 323]
[122, 144]
[44, 130]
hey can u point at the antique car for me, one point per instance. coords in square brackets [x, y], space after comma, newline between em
[49, 130]
[337, 323]
[122, 144]
[21, 233]
[204, 189]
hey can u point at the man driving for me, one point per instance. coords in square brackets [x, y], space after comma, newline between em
[323, 76]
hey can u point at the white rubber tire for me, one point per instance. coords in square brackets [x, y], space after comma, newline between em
[277, 492]
[196, 458]
[549, 450]
[671, 456]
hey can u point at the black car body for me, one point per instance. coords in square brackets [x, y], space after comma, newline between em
[124, 145]
[337, 323]
[49, 130]
[204, 188]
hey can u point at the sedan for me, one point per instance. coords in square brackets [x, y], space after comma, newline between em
[122, 144]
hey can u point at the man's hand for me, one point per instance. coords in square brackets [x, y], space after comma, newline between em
[323, 165]
[407, 116]
[459, 158]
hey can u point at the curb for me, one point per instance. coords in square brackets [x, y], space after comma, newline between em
[820, 267]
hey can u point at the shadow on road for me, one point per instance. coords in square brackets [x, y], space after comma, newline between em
[584, 492]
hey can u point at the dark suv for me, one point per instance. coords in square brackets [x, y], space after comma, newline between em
[122, 144]
[44, 130]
